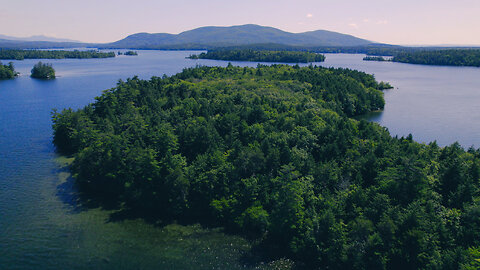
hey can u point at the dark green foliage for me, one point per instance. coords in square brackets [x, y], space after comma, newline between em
[261, 56]
[43, 71]
[41, 54]
[446, 57]
[130, 53]
[7, 71]
[271, 153]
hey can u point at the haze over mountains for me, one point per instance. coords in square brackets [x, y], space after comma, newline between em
[208, 37]
[38, 38]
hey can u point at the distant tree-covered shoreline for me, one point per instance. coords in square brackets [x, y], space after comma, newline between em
[261, 56]
[443, 57]
[7, 71]
[447, 57]
[52, 54]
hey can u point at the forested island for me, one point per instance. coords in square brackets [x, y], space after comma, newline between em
[375, 58]
[261, 56]
[447, 57]
[43, 71]
[272, 153]
[52, 54]
[7, 71]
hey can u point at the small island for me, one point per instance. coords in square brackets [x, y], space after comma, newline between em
[128, 53]
[7, 71]
[384, 85]
[43, 71]
[261, 56]
[131, 53]
[53, 54]
[376, 58]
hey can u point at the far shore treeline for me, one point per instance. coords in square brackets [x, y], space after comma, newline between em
[441, 57]
[261, 56]
[52, 54]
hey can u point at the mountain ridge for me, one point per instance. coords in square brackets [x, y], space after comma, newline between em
[207, 37]
[218, 36]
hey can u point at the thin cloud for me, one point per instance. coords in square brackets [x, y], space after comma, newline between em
[366, 20]
[382, 22]
[354, 25]
[309, 15]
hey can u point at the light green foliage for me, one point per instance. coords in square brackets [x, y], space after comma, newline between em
[473, 262]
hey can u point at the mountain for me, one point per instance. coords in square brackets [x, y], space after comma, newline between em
[38, 38]
[201, 38]
[216, 36]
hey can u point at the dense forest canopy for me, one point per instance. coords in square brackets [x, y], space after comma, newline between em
[261, 56]
[53, 54]
[43, 71]
[7, 71]
[272, 153]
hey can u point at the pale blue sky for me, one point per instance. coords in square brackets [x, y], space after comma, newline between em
[388, 21]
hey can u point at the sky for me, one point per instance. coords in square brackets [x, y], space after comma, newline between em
[402, 22]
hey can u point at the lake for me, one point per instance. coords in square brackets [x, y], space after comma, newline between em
[42, 225]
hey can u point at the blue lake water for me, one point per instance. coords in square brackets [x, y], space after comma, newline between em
[430, 102]
[42, 226]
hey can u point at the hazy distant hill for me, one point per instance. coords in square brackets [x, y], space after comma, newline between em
[38, 38]
[213, 36]
[20, 44]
